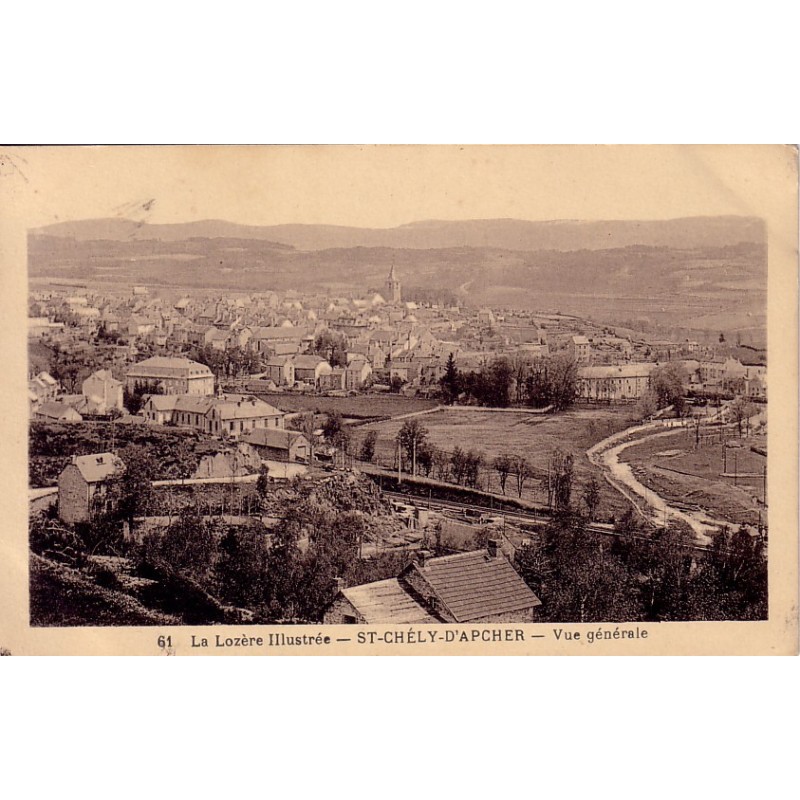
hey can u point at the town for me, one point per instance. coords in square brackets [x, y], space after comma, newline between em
[385, 456]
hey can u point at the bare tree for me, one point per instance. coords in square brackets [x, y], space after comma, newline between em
[503, 465]
[522, 471]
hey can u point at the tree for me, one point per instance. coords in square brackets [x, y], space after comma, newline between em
[262, 484]
[368, 446]
[425, 458]
[450, 381]
[563, 381]
[591, 497]
[669, 382]
[410, 437]
[520, 364]
[647, 405]
[396, 384]
[561, 472]
[741, 411]
[458, 464]
[441, 463]
[503, 465]
[522, 471]
[134, 398]
[473, 464]
[241, 569]
[332, 347]
[135, 485]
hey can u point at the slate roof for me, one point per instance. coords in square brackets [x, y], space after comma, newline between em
[474, 585]
[98, 466]
[387, 602]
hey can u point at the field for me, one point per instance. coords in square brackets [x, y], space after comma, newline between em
[534, 437]
[681, 474]
[361, 406]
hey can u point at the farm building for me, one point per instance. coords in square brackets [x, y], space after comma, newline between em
[278, 445]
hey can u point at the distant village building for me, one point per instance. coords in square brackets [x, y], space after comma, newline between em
[103, 390]
[172, 375]
[580, 350]
[309, 369]
[478, 587]
[280, 370]
[83, 485]
[41, 389]
[618, 383]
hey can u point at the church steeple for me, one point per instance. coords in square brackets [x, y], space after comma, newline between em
[393, 287]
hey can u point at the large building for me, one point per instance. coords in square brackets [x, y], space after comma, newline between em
[620, 383]
[171, 375]
[228, 415]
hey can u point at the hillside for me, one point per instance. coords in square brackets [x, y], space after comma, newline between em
[701, 273]
[508, 234]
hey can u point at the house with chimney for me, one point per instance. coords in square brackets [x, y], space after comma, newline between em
[84, 485]
[479, 586]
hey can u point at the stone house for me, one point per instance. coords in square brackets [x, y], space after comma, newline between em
[84, 485]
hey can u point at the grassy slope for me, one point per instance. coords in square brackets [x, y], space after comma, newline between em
[62, 597]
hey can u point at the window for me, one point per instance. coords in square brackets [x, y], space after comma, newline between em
[349, 619]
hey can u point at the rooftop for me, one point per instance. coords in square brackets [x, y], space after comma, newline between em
[98, 466]
[475, 585]
[385, 602]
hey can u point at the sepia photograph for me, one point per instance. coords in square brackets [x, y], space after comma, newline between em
[399, 387]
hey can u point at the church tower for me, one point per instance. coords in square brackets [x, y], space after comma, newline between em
[394, 294]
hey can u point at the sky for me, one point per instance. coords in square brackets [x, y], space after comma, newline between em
[385, 186]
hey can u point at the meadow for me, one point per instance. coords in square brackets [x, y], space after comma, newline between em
[532, 436]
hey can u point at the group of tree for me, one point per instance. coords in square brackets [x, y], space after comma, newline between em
[539, 382]
[135, 397]
[642, 574]
[512, 466]
[337, 433]
[668, 385]
[331, 346]
[234, 362]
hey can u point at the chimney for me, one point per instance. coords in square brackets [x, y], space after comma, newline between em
[493, 547]
[338, 584]
[422, 557]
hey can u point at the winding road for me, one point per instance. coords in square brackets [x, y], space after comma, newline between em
[605, 454]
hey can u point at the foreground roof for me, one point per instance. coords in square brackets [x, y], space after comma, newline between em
[474, 585]
[386, 602]
[98, 466]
